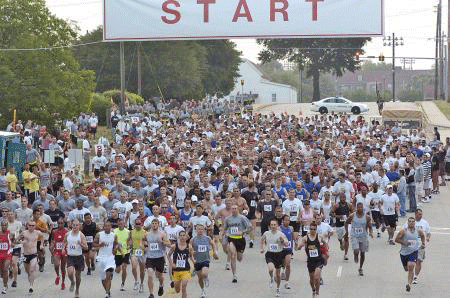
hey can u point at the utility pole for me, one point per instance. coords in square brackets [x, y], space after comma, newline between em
[122, 79]
[442, 66]
[436, 66]
[393, 42]
[139, 70]
[448, 53]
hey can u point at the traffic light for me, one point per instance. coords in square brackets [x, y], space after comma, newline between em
[242, 82]
[357, 54]
[381, 58]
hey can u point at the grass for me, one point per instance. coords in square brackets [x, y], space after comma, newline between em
[103, 131]
[444, 107]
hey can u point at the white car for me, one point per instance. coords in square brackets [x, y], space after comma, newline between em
[338, 105]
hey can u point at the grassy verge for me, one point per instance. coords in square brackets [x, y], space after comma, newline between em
[444, 107]
[103, 131]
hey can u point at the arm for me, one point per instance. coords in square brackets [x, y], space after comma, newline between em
[83, 242]
[422, 237]
[262, 243]
[369, 225]
[347, 222]
[214, 248]
[399, 237]
[169, 254]
[301, 244]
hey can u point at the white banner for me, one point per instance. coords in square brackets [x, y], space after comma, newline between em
[224, 19]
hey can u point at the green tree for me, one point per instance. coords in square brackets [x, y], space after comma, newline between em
[370, 66]
[42, 85]
[316, 56]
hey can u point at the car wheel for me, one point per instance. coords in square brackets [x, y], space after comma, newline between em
[323, 110]
[356, 110]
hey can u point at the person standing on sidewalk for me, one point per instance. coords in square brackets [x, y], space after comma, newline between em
[427, 177]
[401, 192]
[411, 186]
[418, 180]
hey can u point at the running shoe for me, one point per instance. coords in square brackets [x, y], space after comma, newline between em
[391, 242]
[378, 235]
[136, 285]
[141, 289]
[277, 293]
[203, 295]
[151, 296]
[360, 272]
[57, 280]
[408, 288]
[14, 284]
[227, 266]
[4, 290]
[89, 271]
[234, 279]
[160, 291]
[415, 280]
[206, 281]
[122, 288]
[172, 284]
[30, 290]
[251, 244]
[287, 286]
[321, 281]
[271, 283]
[63, 286]
[383, 228]
[345, 258]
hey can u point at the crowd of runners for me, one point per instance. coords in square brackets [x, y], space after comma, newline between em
[171, 190]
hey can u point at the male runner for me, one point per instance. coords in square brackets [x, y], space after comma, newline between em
[292, 207]
[122, 252]
[15, 228]
[178, 257]
[288, 231]
[220, 218]
[31, 246]
[137, 257]
[75, 242]
[391, 205]
[341, 211]
[89, 230]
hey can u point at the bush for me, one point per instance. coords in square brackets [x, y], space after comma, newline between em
[100, 105]
[115, 95]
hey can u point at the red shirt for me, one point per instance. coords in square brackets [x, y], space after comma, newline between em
[58, 239]
[5, 246]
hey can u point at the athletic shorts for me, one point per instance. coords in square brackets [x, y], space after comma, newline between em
[427, 184]
[181, 275]
[76, 262]
[200, 266]
[239, 243]
[295, 226]
[312, 265]
[17, 251]
[120, 259]
[412, 257]
[340, 232]
[57, 252]
[29, 258]
[287, 252]
[216, 230]
[376, 216]
[276, 258]
[420, 193]
[421, 254]
[390, 220]
[105, 264]
[93, 129]
[156, 264]
[90, 245]
[360, 244]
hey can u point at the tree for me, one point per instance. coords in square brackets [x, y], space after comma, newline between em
[175, 69]
[315, 55]
[41, 85]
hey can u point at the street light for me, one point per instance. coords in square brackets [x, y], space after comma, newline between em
[242, 89]
[393, 42]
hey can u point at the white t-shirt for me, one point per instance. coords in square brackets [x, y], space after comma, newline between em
[292, 208]
[99, 162]
[172, 233]
[123, 208]
[324, 230]
[389, 203]
[162, 222]
[199, 220]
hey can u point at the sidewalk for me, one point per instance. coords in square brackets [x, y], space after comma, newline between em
[434, 115]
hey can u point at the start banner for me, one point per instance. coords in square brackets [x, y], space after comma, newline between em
[225, 19]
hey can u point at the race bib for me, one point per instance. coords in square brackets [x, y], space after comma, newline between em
[412, 243]
[419, 227]
[172, 237]
[181, 263]
[59, 245]
[293, 216]
[326, 220]
[313, 253]
[289, 244]
[121, 215]
[294, 208]
[306, 228]
[72, 247]
[390, 209]
[4, 246]
[184, 223]
[202, 248]
[268, 208]
[234, 231]
[358, 230]
[252, 203]
[55, 225]
[154, 246]
[95, 216]
[89, 239]
[138, 252]
[343, 217]
[300, 197]
[273, 247]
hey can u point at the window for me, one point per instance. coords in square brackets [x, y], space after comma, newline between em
[340, 100]
[274, 97]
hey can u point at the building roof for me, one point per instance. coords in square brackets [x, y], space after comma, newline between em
[264, 76]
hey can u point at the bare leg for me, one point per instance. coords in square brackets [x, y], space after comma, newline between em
[150, 280]
[287, 266]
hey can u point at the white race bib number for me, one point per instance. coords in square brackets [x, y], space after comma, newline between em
[138, 253]
[306, 228]
[252, 203]
[89, 239]
[59, 245]
[4, 246]
[55, 225]
[268, 208]
[185, 223]
[412, 243]
[390, 209]
[202, 248]
[234, 231]
[358, 230]
[313, 253]
[121, 215]
[154, 246]
[172, 237]
[273, 247]
[72, 247]
[326, 220]
[181, 263]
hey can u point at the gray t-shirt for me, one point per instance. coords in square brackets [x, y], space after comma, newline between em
[274, 241]
[200, 244]
[66, 206]
[10, 205]
[3, 184]
[155, 248]
[236, 225]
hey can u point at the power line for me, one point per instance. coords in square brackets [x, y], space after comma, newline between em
[50, 48]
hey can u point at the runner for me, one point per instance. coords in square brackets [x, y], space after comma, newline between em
[155, 243]
[15, 228]
[341, 211]
[32, 241]
[325, 231]
[288, 231]
[293, 207]
[178, 257]
[305, 217]
[235, 227]
[137, 258]
[106, 242]
[421, 224]
[312, 243]
[374, 205]
[173, 230]
[215, 209]
[411, 239]
[360, 222]
[59, 255]
[199, 248]
[185, 215]
[391, 205]
[6, 246]
[220, 219]
[89, 230]
[122, 253]
[276, 241]
[250, 194]
[75, 242]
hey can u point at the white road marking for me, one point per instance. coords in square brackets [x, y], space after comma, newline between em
[440, 233]
[339, 272]
[435, 228]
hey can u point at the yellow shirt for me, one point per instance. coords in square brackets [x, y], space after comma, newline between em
[25, 176]
[12, 181]
[34, 184]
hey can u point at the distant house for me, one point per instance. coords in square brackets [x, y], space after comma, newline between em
[259, 85]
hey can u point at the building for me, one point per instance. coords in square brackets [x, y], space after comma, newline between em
[256, 83]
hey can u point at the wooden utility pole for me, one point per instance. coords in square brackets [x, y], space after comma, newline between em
[122, 79]
[139, 70]
[448, 53]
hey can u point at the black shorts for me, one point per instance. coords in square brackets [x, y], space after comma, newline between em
[251, 214]
[93, 129]
[409, 258]
[295, 225]
[276, 258]
[264, 227]
[313, 265]
[156, 264]
[122, 259]
[76, 262]
[17, 252]
[239, 243]
[390, 220]
[376, 215]
[287, 252]
[216, 230]
[96, 172]
[200, 266]
[29, 258]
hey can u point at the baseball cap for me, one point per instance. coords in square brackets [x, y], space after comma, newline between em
[135, 202]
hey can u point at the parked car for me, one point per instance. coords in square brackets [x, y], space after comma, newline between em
[338, 105]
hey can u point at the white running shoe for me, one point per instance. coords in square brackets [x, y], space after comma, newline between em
[287, 286]
[4, 290]
[122, 287]
[136, 286]
[141, 289]
[415, 280]
[203, 295]
[206, 281]
[271, 283]
[277, 293]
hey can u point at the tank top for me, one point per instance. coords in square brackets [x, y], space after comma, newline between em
[108, 239]
[312, 249]
[327, 212]
[342, 211]
[359, 227]
[307, 216]
[5, 245]
[122, 237]
[200, 244]
[73, 245]
[155, 248]
[136, 237]
[280, 193]
[181, 259]
[413, 242]
[184, 218]
[58, 238]
[288, 233]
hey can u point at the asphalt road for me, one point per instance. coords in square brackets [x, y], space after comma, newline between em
[383, 273]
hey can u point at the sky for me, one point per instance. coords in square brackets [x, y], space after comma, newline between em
[414, 20]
